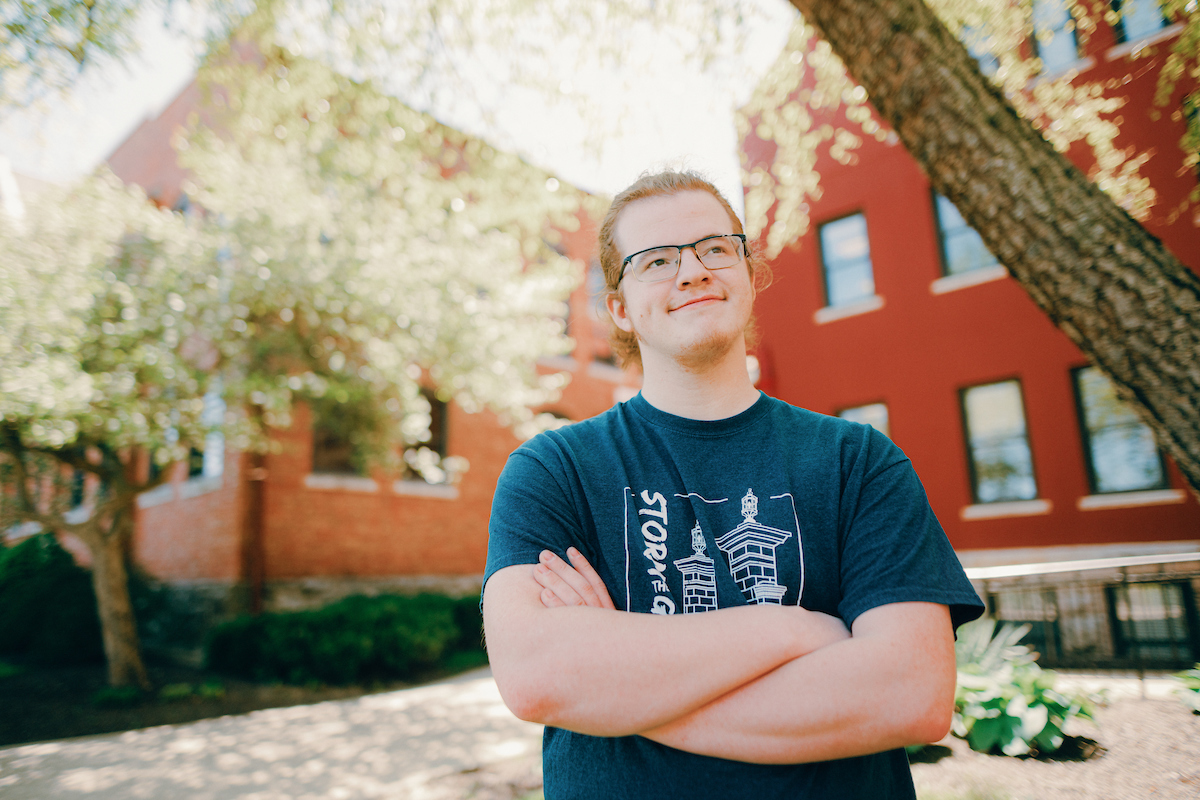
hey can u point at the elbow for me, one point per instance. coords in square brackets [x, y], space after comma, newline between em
[934, 725]
[528, 700]
[930, 721]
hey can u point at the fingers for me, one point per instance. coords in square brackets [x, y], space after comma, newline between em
[577, 585]
[591, 576]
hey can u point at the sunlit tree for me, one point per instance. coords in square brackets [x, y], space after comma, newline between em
[347, 251]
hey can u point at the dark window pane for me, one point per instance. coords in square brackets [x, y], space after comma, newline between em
[423, 461]
[1121, 453]
[1001, 461]
[332, 451]
[846, 256]
[78, 485]
[195, 463]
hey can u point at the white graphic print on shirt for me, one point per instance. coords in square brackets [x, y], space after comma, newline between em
[764, 561]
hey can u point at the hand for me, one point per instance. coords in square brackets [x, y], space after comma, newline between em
[574, 584]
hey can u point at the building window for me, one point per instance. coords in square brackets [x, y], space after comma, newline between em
[332, 451]
[962, 248]
[195, 463]
[598, 319]
[998, 446]
[846, 258]
[1118, 447]
[78, 487]
[1054, 39]
[1137, 19]
[873, 414]
[976, 40]
[425, 461]
[209, 462]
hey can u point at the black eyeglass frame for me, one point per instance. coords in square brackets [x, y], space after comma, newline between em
[681, 248]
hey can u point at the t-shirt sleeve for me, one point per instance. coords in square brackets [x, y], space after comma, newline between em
[893, 548]
[531, 512]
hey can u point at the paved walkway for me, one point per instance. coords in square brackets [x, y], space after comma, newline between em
[392, 745]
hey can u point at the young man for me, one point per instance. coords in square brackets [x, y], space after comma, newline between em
[830, 590]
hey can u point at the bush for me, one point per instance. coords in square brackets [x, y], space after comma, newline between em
[1004, 700]
[47, 606]
[118, 697]
[358, 639]
[1188, 689]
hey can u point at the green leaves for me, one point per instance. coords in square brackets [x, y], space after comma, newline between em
[1188, 689]
[1004, 700]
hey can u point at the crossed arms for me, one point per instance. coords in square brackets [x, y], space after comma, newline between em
[764, 684]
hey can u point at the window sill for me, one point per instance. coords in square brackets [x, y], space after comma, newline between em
[952, 283]
[1012, 508]
[441, 491]
[163, 493]
[345, 483]
[1074, 68]
[605, 372]
[831, 313]
[564, 363]
[1131, 48]
[1154, 497]
[201, 484]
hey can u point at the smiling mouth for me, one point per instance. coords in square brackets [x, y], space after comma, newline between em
[697, 301]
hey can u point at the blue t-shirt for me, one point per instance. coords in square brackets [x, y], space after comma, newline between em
[774, 505]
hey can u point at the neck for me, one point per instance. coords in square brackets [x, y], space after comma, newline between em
[716, 387]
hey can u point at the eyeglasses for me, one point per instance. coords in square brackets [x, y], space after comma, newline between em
[662, 263]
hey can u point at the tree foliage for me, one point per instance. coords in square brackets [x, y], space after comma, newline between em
[809, 81]
[341, 249]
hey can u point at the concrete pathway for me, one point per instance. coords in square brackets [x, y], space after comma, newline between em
[404, 744]
[392, 745]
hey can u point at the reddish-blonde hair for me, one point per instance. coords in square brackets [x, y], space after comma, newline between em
[624, 343]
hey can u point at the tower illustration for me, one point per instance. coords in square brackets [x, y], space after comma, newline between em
[750, 548]
[699, 581]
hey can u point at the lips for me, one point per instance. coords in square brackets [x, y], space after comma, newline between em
[696, 300]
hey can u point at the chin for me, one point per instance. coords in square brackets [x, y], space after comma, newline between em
[705, 351]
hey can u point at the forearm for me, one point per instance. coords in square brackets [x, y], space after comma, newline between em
[609, 673]
[867, 694]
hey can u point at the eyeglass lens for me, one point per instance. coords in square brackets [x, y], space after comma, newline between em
[662, 263]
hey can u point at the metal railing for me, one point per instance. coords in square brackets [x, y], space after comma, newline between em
[1136, 612]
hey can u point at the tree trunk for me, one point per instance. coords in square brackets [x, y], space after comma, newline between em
[110, 580]
[1115, 290]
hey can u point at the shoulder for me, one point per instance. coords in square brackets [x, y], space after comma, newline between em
[848, 441]
[576, 444]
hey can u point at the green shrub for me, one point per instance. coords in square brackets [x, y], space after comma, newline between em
[174, 692]
[8, 670]
[357, 639]
[1188, 689]
[47, 606]
[117, 697]
[211, 690]
[1004, 700]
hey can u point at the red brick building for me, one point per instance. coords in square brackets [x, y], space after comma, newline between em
[325, 530]
[889, 310]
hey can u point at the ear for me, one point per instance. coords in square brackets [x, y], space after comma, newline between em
[617, 310]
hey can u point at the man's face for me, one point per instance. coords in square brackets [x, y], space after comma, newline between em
[700, 314]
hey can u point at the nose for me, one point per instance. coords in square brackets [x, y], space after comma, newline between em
[691, 269]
